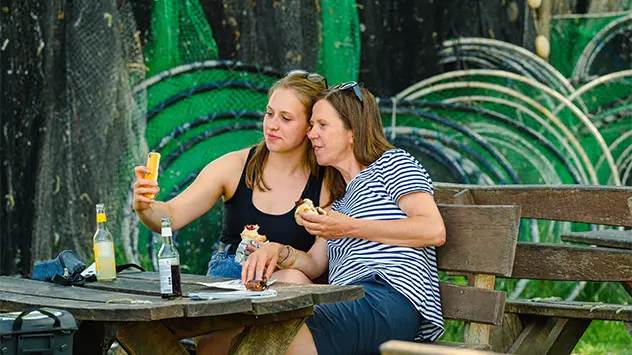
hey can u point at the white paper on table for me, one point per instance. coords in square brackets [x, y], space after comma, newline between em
[225, 285]
[234, 285]
[235, 290]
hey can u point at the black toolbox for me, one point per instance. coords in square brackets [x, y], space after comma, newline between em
[37, 331]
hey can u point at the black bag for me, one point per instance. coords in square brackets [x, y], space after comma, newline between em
[65, 269]
[50, 332]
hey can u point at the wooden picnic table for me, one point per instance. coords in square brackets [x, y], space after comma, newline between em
[155, 326]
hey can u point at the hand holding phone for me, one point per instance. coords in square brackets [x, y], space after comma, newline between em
[153, 160]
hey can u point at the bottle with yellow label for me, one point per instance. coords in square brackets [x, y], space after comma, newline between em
[103, 249]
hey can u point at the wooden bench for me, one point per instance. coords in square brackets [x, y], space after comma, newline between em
[481, 241]
[548, 326]
[395, 347]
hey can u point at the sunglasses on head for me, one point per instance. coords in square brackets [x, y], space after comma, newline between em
[350, 85]
[313, 77]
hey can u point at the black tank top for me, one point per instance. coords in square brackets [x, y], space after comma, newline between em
[240, 211]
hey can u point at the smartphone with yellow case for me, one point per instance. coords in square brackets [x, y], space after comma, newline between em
[153, 159]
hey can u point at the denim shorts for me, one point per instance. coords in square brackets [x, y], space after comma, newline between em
[224, 265]
[361, 326]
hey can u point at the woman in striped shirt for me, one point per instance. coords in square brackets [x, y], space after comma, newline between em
[381, 235]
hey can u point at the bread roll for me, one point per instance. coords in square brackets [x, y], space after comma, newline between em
[252, 231]
[306, 205]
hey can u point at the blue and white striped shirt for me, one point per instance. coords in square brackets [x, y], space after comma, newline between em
[373, 194]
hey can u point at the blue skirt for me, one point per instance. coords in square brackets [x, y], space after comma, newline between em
[361, 326]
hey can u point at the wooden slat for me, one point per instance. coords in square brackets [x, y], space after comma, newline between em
[464, 197]
[396, 347]
[121, 289]
[544, 261]
[574, 203]
[48, 289]
[566, 309]
[155, 276]
[321, 294]
[145, 287]
[14, 302]
[285, 301]
[603, 238]
[464, 345]
[324, 294]
[479, 239]
[472, 304]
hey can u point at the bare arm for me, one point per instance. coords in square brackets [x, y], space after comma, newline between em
[313, 263]
[423, 227]
[215, 180]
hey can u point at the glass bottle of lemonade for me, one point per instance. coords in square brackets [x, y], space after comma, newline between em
[103, 249]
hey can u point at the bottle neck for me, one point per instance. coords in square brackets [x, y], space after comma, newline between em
[167, 240]
[167, 236]
[101, 220]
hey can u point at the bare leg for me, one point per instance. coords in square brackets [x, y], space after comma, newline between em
[218, 342]
[291, 276]
[303, 343]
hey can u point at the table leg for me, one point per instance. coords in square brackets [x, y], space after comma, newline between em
[549, 335]
[276, 337]
[628, 326]
[503, 336]
[195, 326]
[148, 338]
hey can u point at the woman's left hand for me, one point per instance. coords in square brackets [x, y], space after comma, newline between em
[333, 225]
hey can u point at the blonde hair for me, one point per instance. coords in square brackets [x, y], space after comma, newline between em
[306, 91]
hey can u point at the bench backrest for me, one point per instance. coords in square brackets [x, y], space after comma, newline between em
[606, 205]
[481, 241]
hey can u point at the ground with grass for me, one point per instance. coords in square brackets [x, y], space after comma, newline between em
[605, 337]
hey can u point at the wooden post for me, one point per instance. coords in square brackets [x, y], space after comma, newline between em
[476, 333]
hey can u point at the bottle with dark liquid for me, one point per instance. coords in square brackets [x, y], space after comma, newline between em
[169, 263]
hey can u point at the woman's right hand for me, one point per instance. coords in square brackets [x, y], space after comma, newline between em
[143, 186]
[262, 260]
